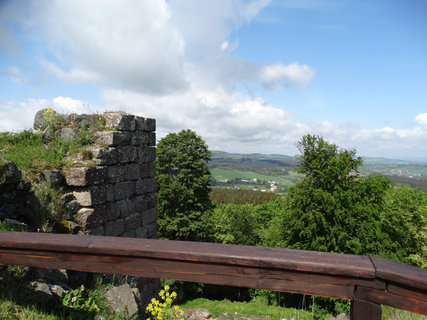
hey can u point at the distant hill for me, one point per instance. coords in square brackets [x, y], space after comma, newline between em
[235, 166]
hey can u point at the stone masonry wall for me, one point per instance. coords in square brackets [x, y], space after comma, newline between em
[15, 193]
[116, 189]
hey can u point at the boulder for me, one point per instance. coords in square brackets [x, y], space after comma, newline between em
[39, 119]
[123, 299]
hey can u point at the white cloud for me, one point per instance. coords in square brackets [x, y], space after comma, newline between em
[129, 44]
[152, 46]
[421, 119]
[16, 115]
[279, 74]
[74, 75]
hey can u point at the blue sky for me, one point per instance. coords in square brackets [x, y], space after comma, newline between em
[248, 76]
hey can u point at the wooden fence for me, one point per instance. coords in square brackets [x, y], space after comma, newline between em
[367, 281]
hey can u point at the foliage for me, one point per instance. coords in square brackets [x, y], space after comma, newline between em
[164, 310]
[183, 179]
[49, 206]
[53, 120]
[235, 224]
[238, 196]
[249, 224]
[405, 219]
[79, 299]
[331, 209]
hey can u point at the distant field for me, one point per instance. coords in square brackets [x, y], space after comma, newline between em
[282, 180]
[279, 168]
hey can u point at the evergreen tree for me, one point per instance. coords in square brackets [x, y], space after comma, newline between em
[183, 179]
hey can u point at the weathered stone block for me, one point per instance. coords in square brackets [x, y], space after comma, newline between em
[152, 230]
[141, 232]
[122, 209]
[141, 203]
[113, 212]
[113, 138]
[133, 221]
[145, 124]
[119, 121]
[104, 156]
[72, 207]
[146, 154]
[10, 173]
[85, 176]
[149, 216]
[91, 218]
[123, 190]
[152, 200]
[115, 174]
[98, 231]
[131, 204]
[145, 185]
[54, 177]
[148, 170]
[23, 186]
[66, 133]
[127, 154]
[109, 192]
[129, 234]
[90, 196]
[144, 138]
[114, 228]
[132, 171]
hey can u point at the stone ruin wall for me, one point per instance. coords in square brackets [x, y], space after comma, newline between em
[111, 194]
[116, 190]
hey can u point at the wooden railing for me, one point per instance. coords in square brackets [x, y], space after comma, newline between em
[367, 281]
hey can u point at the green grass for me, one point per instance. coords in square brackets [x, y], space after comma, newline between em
[27, 151]
[238, 310]
[283, 180]
[10, 310]
[390, 313]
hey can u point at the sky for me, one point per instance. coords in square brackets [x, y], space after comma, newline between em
[247, 76]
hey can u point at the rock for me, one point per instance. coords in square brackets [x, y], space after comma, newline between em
[54, 177]
[197, 314]
[123, 299]
[9, 173]
[57, 290]
[39, 119]
[66, 133]
[75, 228]
[119, 121]
[23, 186]
[83, 176]
[42, 293]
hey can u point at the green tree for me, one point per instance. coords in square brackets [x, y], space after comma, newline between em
[405, 220]
[183, 179]
[333, 208]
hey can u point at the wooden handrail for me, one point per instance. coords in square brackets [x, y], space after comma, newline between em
[366, 281]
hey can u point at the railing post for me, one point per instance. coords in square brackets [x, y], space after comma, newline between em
[365, 310]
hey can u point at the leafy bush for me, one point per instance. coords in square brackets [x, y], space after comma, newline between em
[79, 299]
